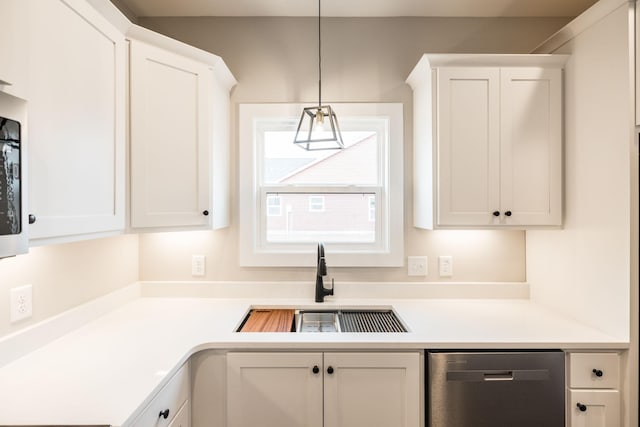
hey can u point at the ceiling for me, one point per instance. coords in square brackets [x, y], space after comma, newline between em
[358, 8]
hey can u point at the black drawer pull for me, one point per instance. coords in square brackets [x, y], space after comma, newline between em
[583, 408]
[598, 372]
[164, 414]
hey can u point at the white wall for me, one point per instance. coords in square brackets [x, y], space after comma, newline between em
[364, 60]
[67, 275]
[584, 269]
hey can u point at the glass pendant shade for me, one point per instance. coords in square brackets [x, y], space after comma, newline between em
[318, 129]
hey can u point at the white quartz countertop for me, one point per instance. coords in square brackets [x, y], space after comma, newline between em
[106, 371]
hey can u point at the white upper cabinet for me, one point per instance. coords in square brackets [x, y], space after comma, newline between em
[487, 141]
[179, 119]
[76, 98]
[14, 40]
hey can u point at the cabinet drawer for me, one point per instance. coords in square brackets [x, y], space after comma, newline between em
[594, 370]
[594, 408]
[172, 397]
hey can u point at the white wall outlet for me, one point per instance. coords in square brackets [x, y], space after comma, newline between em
[417, 266]
[21, 303]
[198, 265]
[445, 265]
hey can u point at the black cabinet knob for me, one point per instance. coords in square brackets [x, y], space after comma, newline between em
[330, 370]
[598, 372]
[316, 369]
[205, 213]
[496, 213]
[164, 414]
[32, 218]
[583, 408]
[507, 213]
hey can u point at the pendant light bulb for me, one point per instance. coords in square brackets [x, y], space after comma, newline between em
[319, 122]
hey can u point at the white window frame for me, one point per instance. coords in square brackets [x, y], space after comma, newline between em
[388, 250]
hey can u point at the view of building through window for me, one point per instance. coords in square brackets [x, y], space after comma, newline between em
[314, 195]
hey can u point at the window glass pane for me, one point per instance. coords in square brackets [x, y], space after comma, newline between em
[274, 205]
[372, 208]
[345, 218]
[286, 163]
[316, 203]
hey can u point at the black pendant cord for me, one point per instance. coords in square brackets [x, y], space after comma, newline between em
[319, 61]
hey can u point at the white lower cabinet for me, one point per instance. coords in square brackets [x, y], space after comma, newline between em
[171, 406]
[182, 417]
[593, 398]
[591, 408]
[323, 389]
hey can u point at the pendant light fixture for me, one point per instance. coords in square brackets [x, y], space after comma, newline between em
[318, 127]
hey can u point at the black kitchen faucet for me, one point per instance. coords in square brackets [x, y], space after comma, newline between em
[321, 271]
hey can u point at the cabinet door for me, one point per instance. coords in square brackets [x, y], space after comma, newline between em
[181, 419]
[372, 389]
[598, 408]
[172, 400]
[468, 145]
[531, 144]
[171, 120]
[274, 390]
[76, 120]
[14, 39]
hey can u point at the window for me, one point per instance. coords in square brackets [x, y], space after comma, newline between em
[316, 203]
[350, 199]
[274, 205]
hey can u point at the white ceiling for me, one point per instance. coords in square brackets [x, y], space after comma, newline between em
[358, 8]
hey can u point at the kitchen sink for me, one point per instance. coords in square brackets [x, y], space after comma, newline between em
[317, 321]
[374, 320]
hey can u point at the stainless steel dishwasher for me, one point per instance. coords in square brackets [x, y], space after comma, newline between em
[496, 389]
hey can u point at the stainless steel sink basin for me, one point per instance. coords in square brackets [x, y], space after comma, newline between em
[343, 320]
[317, 321]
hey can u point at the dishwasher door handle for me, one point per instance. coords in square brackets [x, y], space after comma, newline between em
[498, 375]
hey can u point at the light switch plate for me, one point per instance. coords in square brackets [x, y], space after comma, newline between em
[445, 265]
[417, 266]
[21, 303]
[198, 265]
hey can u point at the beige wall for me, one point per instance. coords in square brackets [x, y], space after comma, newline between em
[588, 262]
[364, 60]
[64, 276]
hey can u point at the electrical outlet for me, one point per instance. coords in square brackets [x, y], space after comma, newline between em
[417, 266]
[198, 263]
[445, 265]
[21, 303]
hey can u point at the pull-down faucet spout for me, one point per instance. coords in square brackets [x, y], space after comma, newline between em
[321, 271]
